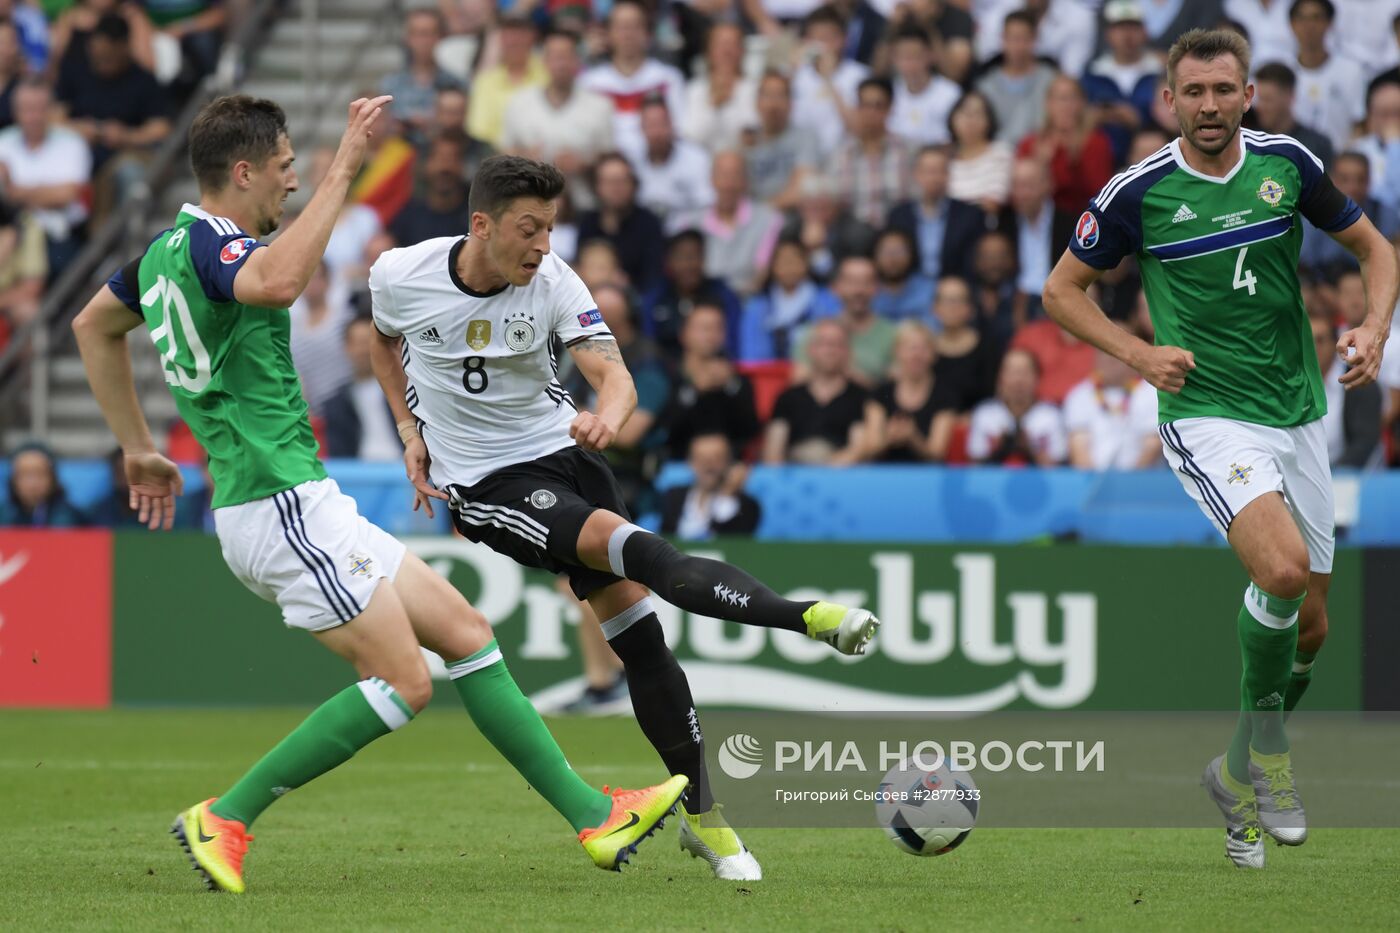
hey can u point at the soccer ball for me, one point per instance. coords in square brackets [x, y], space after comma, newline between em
[926, 812]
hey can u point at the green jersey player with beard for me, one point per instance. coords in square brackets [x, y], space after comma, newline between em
[1215, 221]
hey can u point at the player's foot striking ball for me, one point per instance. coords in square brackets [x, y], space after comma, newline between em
[1215, 221]
[489, 430]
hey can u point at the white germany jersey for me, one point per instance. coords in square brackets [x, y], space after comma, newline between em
[481, 366]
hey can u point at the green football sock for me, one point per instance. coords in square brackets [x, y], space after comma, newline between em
[1268, 633]
[511, 724]
[329, 737]
[1301, 679]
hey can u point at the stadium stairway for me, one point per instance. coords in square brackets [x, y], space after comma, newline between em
[358, 44]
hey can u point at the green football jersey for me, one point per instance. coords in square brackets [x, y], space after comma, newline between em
[1219, 262]
[228, 365]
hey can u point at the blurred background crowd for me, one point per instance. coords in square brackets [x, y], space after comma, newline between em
[819, 231]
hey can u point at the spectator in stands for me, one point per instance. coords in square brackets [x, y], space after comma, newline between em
[1160, 114]
[1353, 420]
[31, 29]
[1000, 306]
[359, 423]
[13, 68]
[944, 230]
[825, 82]
[492, 88]
[449, 116]
[630, 76]
[559, 121]
[1145, 142]
[116, 106]
[1331, 88]
[36, 498]
[1272, 110]
[1043, 230]
[1270, 35]
[1076, 153]
[1013, 428]
[870, 337]
[871, 167]
[980, 172]
[1389, 64]
[24, 265]
[318, 321]
[76, 23]
[949, 25]
[922, 97]
[918, 411]
[1320, 254]
[684, 286]
[778, 153]
[1016, 88]
[416, 87]
[1064, 30]
[198, 27]
[639, 444]
[711, 397]
[1111, 419]
[827, 419]
[904, 292]
[720, 104]
[739, 233]
[1167, 19]
[1381, 142]
[826, 228]
[1062, 359]
[789, 299]
[673, 174]
[442, 209]
[715, 502]
[634, 231]
[1121, 83]
[965, 361]
[114, 509]
[597, 265]
[44, 168]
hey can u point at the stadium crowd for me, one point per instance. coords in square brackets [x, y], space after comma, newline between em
[818, 231]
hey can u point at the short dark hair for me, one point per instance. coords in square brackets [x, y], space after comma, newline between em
[688, 235]
[232, 129]
[773, 74]
[554, 32]
[503, 179]
[1208, 45]
[604, 159]
[912, 32]
[883, 85]
[1327, 7]
[1024, 17]
[112, 26]
[824, 14]
[1351, 155]
[1277, 73]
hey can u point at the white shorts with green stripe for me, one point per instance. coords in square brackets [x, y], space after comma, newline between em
[310, 551]
[1225, 465]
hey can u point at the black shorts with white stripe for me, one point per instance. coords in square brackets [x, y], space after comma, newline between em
[533, 512]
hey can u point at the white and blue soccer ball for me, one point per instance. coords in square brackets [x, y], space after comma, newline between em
[927, 812]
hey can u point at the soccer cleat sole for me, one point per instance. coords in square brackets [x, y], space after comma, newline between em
[857, 631]
[177, 829]
[625, 853]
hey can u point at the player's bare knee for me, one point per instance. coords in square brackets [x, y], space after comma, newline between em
[414, 685]
[1284, 578]
[1312, 630]
[474, 630]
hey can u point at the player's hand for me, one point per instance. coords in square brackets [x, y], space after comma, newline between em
[153, 483]
[1166, 367]
[1361, 348]
[591, 432]
[416, 461]
[359, 128]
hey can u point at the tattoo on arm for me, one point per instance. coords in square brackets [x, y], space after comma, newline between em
[607, 349]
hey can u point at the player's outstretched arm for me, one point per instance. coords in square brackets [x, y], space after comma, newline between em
[600, 361]
[101, 330]
[1362, 347]
[1069, 305]
[275, 276]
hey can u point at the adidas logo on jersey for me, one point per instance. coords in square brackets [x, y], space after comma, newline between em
[1183, 213]
[430, 336]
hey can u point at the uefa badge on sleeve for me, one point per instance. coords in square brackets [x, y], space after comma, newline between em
[1086, 231]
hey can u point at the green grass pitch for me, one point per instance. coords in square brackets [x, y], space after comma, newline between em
[428, 829]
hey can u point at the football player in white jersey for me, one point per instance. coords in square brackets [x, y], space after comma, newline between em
[464, 352]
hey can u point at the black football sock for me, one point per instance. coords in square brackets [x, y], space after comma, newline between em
[700, 585]
[661, 699]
